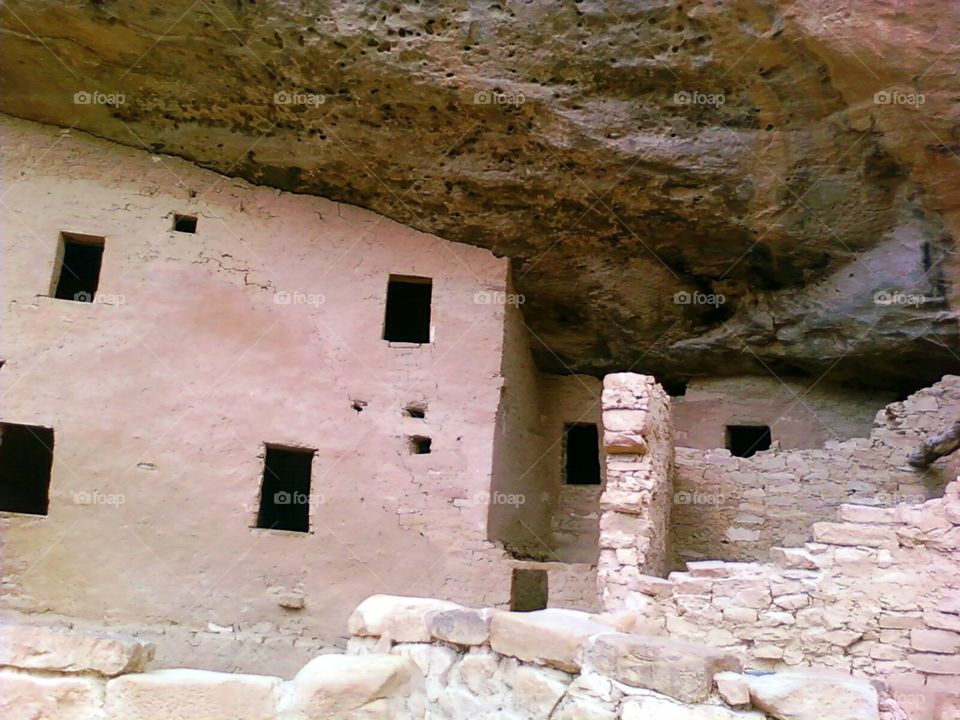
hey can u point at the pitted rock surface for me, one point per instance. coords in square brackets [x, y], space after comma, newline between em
[636, 160]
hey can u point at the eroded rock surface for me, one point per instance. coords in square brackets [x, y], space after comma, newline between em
[620, 152]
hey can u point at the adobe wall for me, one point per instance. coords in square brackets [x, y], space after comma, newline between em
[519, 518]
[799, 416]
[264, 326]
[533, 511]
[574, 509]
[733, 508]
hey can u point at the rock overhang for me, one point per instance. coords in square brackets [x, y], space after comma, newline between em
[683, 191]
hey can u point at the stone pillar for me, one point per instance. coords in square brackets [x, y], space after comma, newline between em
[636, 501]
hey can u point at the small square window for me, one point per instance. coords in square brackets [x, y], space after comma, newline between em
[415, 411]
[185, 223]
[26, 456]
[420, 445]
[407, 315]
[78, 268]
[745, 440]
[285, 489]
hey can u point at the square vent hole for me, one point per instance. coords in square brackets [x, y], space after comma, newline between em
[415, 410]
[185, 223]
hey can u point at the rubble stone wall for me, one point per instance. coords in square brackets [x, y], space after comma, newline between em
[734, 508]
[877, 593]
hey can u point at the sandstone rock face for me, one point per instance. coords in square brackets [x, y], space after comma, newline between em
[39, 647]
[750, 185]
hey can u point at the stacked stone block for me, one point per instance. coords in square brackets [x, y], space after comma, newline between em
[635, 504]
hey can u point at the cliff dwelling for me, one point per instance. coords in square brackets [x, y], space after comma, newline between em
[532, 361]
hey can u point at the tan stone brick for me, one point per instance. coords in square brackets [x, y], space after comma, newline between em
[461, 626]
[59, 649]
[182, 694]
[939, 641]
[854, 534]
[681, 670]
[404, 619]
[936, 664]
[25, 696]
[547, 637]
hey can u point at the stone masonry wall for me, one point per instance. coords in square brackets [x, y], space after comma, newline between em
[570, 665]
[876, 593]
[421, 658]
[737, 508]
[635, 504]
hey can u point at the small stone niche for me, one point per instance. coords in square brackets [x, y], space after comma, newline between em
[529, 590]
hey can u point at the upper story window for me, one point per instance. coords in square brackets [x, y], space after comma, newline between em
[77, 274]
[407, 315]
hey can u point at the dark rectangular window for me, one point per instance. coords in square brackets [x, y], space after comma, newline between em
[529, 590]
[78, 274]
[420, 445]
[285, 491]
[26, 456]
[582, 446]
[407, 317]
[745, 440]
[185, 223]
